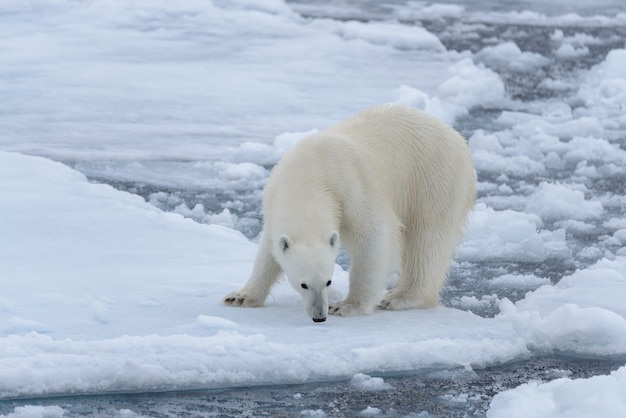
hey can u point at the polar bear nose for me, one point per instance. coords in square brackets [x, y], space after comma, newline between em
[319, 319]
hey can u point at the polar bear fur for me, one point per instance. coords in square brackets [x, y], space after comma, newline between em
[391, 185]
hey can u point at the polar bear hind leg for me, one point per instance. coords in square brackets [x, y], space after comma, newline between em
[425, 261]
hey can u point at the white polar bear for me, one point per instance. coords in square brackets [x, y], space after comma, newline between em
[392, 185]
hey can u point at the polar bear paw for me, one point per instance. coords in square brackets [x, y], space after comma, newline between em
[397, 301]
[243, 299]
[346, 309]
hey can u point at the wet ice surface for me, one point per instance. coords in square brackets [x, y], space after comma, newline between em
[550, 156]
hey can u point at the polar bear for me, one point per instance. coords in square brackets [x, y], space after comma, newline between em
[392, 185]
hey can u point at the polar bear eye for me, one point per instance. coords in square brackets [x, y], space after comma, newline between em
[304, 286]
[328, 283]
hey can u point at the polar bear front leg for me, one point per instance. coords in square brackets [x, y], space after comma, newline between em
[367, 280]
[265, 273]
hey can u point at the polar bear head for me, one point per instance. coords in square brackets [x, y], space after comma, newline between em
[309, 265]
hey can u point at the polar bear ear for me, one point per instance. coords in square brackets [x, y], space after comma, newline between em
[284, 243]
[334, 239]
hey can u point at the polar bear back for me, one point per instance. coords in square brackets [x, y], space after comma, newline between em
[420, 163]
[393, 155]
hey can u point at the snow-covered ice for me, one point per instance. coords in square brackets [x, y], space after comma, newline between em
[104, 291]
[598, 396]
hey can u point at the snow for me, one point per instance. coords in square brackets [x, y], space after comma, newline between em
[391, 33]
[104, 292]
[557, 201]
[365, 382]
[370, 412]
[468, 85]
[604, 90]
[568, 51]
[603, 396]
[132, 78]
[509, 235]
[517, 280]
[310, 413]
[509, 55]
[36, 412]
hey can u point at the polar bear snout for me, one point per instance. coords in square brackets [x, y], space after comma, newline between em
[316, 304]
[318, 310]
